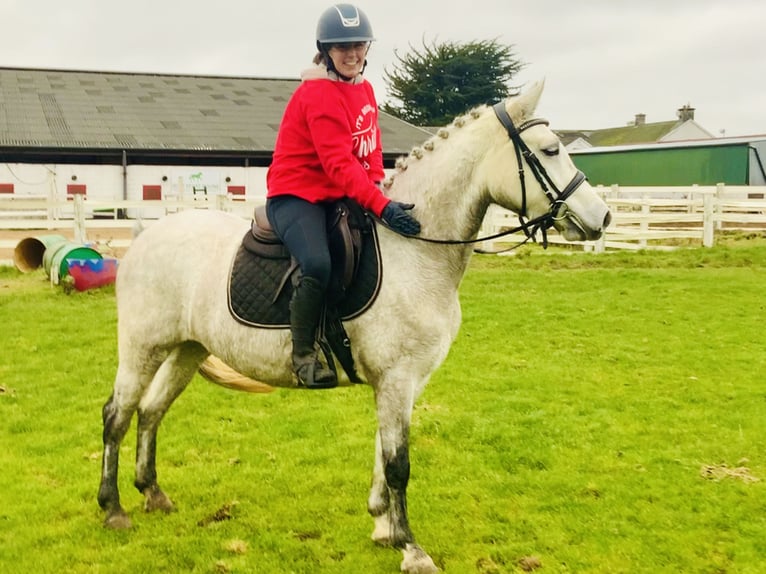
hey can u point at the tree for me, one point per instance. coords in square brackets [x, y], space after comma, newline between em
[433, 85]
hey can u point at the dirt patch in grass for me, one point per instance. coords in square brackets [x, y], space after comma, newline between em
[718, 472]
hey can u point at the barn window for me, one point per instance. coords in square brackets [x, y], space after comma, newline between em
[152, 192]
[237, 192]
[73, 189]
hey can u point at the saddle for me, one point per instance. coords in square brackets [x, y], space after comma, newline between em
[263, 275]
[346, 222]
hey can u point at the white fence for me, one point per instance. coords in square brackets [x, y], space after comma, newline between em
[661, 217]
[40, 212]
[642, 217]
[86, 217]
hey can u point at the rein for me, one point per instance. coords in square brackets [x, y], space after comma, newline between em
[556, 197]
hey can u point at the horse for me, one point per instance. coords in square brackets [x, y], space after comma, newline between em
[173, 316]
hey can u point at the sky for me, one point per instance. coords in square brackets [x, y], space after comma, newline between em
[603, 61]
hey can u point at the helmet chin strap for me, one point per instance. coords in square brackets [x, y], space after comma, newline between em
[331, 67]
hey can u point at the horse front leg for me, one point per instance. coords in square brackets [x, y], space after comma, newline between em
[388, 496]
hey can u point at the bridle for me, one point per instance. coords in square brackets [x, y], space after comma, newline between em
[558, 209]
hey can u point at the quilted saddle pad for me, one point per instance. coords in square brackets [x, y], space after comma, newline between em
[254, 282]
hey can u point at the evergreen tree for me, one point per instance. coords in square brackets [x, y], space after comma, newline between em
[433, 85]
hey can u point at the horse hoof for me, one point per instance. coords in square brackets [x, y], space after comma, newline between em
[416, 561]
[157, 500]
[118, 521]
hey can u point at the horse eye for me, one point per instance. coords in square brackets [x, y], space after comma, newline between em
[551, 151]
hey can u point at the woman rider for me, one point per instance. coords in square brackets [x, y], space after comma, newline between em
[328, 147]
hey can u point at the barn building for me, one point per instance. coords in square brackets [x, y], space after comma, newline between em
[679, 152]
[147, 136]
[732, 161]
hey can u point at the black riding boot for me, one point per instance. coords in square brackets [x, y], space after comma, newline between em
[305, 307]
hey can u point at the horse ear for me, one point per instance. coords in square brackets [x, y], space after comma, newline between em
[526, 102]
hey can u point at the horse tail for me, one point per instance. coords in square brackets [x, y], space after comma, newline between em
[216, 371]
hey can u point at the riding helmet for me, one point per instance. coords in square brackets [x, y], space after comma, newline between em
[343, 23]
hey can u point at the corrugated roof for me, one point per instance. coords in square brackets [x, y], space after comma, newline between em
[68, 109]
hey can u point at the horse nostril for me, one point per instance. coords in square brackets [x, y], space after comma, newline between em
[607, 219]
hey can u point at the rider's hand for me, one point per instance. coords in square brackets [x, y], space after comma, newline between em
[396, 216]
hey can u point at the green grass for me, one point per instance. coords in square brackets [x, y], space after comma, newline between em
[572, 422]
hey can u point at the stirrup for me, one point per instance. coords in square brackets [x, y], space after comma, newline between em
[307, 371]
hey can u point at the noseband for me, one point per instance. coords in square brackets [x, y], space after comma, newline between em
[556, 197]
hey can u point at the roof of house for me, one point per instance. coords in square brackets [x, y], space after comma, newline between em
[141, 112]
[633, 134]
[751, 140]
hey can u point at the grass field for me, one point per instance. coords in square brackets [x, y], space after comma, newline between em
[597, 414]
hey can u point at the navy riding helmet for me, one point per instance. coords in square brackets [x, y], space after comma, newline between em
[341, 24]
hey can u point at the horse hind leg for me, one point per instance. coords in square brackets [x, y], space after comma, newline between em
[171, 379]
[129, 385]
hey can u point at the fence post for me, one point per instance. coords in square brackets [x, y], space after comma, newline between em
[52, 196]
[692, 196]
[708, 220]
[181, 195]
[80, 236]
[221, 202]
[720, 188]
[644, 226]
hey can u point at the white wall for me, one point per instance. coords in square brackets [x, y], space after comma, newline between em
[106, 181]
[689, 130]
[757, 162]
[51, 180]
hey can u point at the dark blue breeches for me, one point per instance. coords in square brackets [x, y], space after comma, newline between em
[302, 227]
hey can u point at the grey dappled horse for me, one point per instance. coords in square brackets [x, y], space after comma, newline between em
[174, 315]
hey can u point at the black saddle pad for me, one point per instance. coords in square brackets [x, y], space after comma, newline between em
[254, 282]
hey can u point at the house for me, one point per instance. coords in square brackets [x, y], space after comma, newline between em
[638, 132]
[147, 136]
[671, 153]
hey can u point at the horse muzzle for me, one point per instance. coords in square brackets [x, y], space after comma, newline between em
[576, 227]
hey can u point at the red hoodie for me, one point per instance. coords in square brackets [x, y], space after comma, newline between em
[329, 146]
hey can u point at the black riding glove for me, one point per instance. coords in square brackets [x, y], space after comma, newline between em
[396, 217]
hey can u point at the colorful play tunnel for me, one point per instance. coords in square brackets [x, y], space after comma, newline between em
[92, 273]
[30, 251]
[54, 253]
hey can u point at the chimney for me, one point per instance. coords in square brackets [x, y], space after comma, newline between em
[640, 120]
[685, 113]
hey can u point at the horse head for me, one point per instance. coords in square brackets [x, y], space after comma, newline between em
[531, 173]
